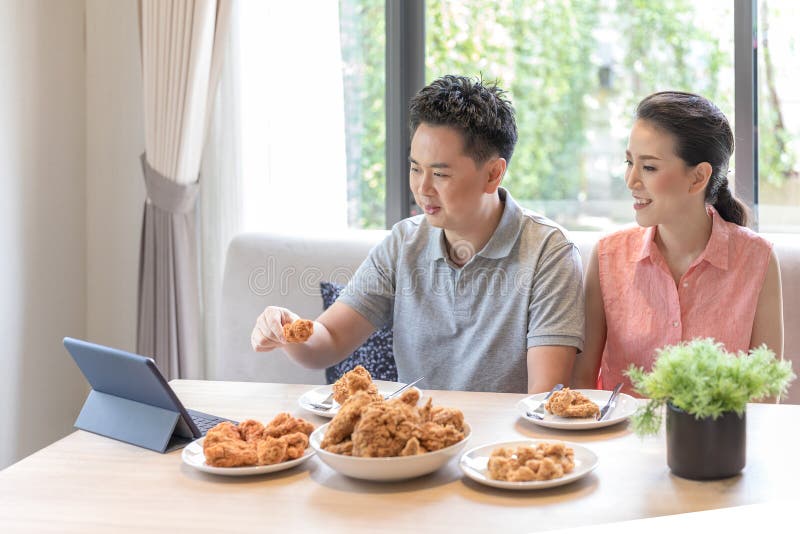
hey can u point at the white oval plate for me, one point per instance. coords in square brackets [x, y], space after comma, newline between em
[317, 395]
[475, 461]
[386, 469]
[626, 406]
[192, 455]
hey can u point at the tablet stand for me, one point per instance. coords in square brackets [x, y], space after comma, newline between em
[130, 421]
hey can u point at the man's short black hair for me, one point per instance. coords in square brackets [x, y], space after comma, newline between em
[481, 112]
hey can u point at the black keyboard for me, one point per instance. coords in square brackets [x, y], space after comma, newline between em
[204, 421]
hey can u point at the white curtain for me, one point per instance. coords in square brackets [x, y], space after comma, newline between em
[275, 158]
[221, 195]
[182, 49]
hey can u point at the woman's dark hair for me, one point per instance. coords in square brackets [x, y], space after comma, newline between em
[482, 114]
[702, 133]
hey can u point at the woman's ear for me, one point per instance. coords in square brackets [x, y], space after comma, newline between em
[700, 175]
[496, 168]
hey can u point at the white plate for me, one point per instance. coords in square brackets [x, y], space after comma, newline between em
[193, 455]
[386, 469]
[317, 395]
[474, 464]
[626, 406]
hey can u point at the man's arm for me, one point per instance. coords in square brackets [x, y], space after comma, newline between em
[549, 365]
[587, 365]
[555, 317]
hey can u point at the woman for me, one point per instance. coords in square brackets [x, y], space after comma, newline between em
[691, 268]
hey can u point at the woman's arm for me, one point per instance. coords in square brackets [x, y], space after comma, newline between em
[768, 322]
[587, 364]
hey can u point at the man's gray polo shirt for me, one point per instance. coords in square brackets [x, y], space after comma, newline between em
[470, 328]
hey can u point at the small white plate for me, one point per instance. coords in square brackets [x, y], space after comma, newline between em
[192, 455]
[626, 406]
[474, 463]
[317, 395]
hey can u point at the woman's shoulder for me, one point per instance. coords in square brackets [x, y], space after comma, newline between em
[622, 242]
[744, 240]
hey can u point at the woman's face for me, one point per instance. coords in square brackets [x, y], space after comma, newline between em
[659, 180]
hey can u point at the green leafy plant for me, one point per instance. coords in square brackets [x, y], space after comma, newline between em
[700, 377]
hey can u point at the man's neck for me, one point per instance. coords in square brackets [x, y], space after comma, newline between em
[462, 245]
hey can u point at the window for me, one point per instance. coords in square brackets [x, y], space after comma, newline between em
[778, 116]
[575, 72]
[315, 115]
[292, 116]
[363, 42]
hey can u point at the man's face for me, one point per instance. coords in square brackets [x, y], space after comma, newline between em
[447, 184]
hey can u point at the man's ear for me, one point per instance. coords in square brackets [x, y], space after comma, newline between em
[700, 176]
[496, 169]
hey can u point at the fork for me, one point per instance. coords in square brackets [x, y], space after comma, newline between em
[538, 413]
[327, 404]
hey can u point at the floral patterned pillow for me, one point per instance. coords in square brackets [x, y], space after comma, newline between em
[376, 354]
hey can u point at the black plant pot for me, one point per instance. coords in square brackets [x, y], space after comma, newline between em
[704, 449]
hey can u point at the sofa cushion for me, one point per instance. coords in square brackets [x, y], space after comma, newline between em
[376, 354]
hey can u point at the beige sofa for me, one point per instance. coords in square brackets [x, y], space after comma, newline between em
[285, 270]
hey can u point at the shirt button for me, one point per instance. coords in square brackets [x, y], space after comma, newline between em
[675, 324]
[686, 284]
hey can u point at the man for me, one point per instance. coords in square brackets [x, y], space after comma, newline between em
[481, 294]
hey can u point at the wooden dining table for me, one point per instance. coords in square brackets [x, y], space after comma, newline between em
[89, 483]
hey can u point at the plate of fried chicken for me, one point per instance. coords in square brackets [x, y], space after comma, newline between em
[251, 448]
[528, 464]
[576, 409]
[334, 395]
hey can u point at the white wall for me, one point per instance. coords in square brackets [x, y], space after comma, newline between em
[115, 187]
[42, 221]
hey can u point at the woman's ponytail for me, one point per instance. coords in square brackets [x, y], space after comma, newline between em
[728, 206]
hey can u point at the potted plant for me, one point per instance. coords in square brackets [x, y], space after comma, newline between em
[706, 390]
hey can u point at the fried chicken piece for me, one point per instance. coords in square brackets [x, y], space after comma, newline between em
[499, 466]
[569, 403]
[433, 436]
[345, 448]
[425, 411]
[409, 396]
[412, 448]
[344, 422]
[224, 431]
[251, 430]
[231, 453]
[384, 429]
[358, 379]
[296, 445]
[545, 461]
[271, 450]
[522, 473]
[298, 331]
[546, 469]
[284, 423]
[448, 417]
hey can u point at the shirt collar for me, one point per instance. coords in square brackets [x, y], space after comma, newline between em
[717, 249]
[505, 235]
[715, 253]
[501, 242]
